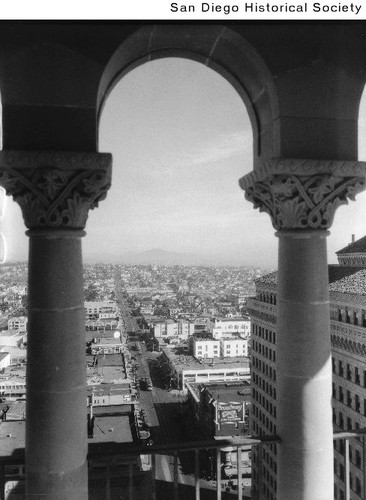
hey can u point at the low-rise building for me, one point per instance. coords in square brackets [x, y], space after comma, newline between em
[185, 368]
[233, 347]
[107, 346]
[225, 327]
[94, 309]
[205, 348]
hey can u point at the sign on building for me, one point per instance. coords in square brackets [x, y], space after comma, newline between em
[230, 412]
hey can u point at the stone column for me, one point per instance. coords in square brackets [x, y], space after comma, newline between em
[301, 197]
[55, 192]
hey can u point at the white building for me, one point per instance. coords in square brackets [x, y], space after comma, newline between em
[94, 309]
[205, 348]
[185, 369]
[182, 328]
[226, 327]
[234, 347]
[185, 328]
[168, 328]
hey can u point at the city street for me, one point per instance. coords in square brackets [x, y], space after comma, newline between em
[168, 421]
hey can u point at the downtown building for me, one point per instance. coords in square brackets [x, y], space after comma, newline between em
[347, 294]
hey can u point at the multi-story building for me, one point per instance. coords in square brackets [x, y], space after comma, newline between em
[233, 347]
[205, 348]
[262, 309]
[184, 369]
[229, 326]
[181, 328]
[222, 410]
[93, 310]
[347, 294]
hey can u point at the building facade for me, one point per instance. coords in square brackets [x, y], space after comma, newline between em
[347, 296]
[225, 327]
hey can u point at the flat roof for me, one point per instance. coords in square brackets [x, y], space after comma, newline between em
[230, 392]
[106, 359]
[188, 362]
[112, 429]
[12, 436]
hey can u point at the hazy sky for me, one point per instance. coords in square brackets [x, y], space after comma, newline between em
[181, 138]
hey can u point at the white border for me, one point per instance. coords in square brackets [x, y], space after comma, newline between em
[237, 10]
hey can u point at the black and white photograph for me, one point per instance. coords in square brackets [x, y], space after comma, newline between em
[183, 251]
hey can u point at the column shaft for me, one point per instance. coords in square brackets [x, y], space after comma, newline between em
[304, 412]
[56, 441]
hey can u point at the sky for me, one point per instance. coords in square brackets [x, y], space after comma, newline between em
[181, 139]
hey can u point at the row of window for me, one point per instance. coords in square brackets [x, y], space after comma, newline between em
[266, 422]
[265, 351]
[263, 367]
[265, 403]
[343, 423]
[354, 454]
[349, 372]
[268, 458]
[264, 385]
[269, 298]
[349, 316]
[354, 482]
[264, 333]
[347, 399]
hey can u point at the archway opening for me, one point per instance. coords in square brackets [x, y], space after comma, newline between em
[350, 219]
[181, 138]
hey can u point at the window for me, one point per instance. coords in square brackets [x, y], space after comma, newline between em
[358, 459]
[340, 420]
[341, 472]
[358, 486]
[340, 394]
[349, 423]
[349, 399]
[357, 376]
[357, 403]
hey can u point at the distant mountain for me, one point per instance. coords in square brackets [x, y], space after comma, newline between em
[161, 257]
[153, 256]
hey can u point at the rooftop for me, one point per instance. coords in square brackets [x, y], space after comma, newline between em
[352, 283]
[185, 361]
[12, 437]
[113, 428]
[268, 279]
[230, 392]
[358, 246]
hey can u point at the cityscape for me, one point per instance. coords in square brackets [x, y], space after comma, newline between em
[159, 338]
[178, 354]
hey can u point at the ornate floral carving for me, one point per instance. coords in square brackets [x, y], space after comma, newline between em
[55, 189]
[300, 194]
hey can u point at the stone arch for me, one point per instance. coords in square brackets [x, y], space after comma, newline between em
[218, 48]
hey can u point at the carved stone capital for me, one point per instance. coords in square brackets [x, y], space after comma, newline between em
[303, 194]
[55, 189]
